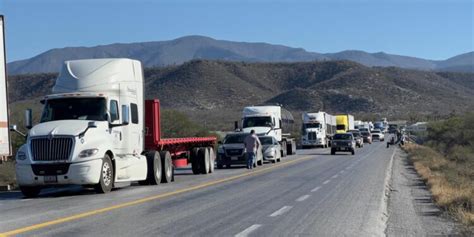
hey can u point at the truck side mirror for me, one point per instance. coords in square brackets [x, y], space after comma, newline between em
[13, 128]
[125, 115]
[28, 119]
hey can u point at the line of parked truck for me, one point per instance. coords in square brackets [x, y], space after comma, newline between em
[340, 132]
[97, 130]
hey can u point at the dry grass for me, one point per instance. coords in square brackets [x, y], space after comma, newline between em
[449, 182]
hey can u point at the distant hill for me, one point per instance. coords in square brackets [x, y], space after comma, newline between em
[178, 51]
[214, 92]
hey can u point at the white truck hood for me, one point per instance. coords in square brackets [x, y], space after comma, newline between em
[62, 127]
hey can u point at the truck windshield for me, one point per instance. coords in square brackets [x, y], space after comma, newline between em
[257, 122]
[74, 108]
[266, 140]
[312, 125]
[234, 139]
[341, 127]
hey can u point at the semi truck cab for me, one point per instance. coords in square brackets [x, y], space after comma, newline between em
[271, 120]
[91, 126]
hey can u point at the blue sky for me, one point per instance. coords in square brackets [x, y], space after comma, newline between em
[432, 29]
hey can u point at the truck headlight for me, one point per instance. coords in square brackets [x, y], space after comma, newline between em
[20, 155]
[88, 153]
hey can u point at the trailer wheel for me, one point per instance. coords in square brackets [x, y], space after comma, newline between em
[30, 191]
[212, 158]
[154, 170]
[167, 165]
[203, 155]
[195, 160]
[289, 148]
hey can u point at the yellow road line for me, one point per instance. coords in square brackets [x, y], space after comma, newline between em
[147, 199]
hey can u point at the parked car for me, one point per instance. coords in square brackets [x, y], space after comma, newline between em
[343, 142]
[271, 149]
[232, 151]
[378, 135]
[367, 137]
[358, 138]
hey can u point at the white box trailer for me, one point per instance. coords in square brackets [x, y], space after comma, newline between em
[5, 146]
[317, 129]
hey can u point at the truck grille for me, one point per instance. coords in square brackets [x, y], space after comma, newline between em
[55, 149]
[234, 152]
[311, 135]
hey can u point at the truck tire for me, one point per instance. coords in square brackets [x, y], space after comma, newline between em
[353, 152]
[154, 168]
[333, 151]
[167, 167]
[289, 148]
[106, 180]
[30, 191]
[212, 159]
[203, 155]
[195, 164]
[220, 166]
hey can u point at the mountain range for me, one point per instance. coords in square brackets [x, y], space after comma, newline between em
[184, 49]
[213, 93]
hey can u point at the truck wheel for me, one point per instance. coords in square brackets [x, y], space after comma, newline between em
[353, 152]
[203, 155]
[333, 151]
[106, 180]
[154, 168]
[289, 148]
[195, 160]
[212, 159]
[167, 166]
[30, 191]
[220, 166]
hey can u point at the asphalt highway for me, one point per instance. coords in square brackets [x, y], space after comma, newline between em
[311, 193]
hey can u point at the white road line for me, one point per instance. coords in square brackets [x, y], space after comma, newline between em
[249, 230]
[302, 198]
[281, 211]
[327, 181]
[334, 176]
[315, 189]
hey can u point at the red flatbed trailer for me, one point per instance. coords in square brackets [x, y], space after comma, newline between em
[197, 151]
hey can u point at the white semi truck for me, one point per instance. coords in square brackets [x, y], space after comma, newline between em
[317, 129]
[97, 130]
[271, 120]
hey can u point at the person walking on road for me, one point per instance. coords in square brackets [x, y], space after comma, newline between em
[252, 143]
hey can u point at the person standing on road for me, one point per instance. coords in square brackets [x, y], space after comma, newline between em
[252, 143]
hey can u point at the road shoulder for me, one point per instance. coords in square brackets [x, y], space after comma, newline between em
[410, 208]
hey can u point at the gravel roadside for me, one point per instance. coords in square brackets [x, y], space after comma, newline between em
[410, 207]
